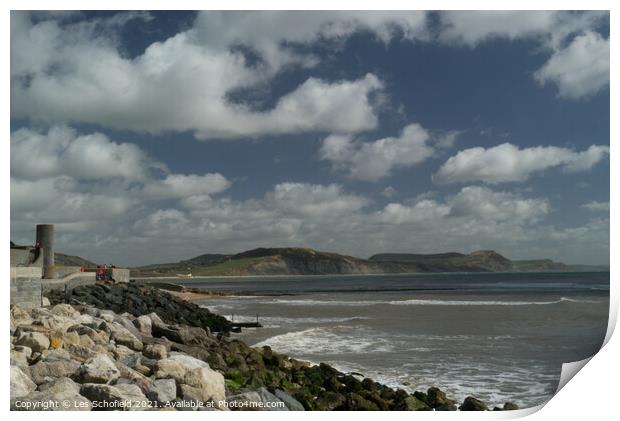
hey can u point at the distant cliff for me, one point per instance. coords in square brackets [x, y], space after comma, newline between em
[306, 261]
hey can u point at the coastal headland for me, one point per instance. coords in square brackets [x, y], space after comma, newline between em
[306, 261]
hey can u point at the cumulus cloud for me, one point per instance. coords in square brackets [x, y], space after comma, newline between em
[62, 151]
[371, 161]
[509, 163]
[579, 67]
[475, 202]
[80, 180]
[579, 70]
[128, 228]
[305, 200]
[596, 206]
[181, 186]
[184, 82]
[550, 27]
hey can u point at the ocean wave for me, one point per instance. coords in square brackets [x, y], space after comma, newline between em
[435, 302]
[326, 340]
[277, 322]
[484, 303]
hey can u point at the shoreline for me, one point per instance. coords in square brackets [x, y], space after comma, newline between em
[148, 279]
[139, 333]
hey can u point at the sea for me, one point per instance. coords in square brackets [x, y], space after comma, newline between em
[495, 336]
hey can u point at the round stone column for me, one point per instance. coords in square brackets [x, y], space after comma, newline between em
[45, 237]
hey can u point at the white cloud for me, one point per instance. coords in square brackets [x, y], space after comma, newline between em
[508, 163]
[309, 200]
[550, 27]
[119, 226]
[61, 151]
[183, 83]
[371, 161]
[596, 206]
[69, 177]
[389, 191]
[473, 202]
[424, 210]
[486, 204]
[579, 70]
[182, 186]
[61, 200]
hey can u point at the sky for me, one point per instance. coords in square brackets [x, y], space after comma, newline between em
[157, 136]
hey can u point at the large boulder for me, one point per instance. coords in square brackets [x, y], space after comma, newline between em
[162, 390]
[20, 316]
[257, 400]
[291, 403]
[123, 397]
[122, 336]
[100, 337]
[155, 351]
[193, 372]
[472, 404]
[437, 399]
[412, 403]
[20, 355]
[144, 324]
[134, 394]
[65, 310]
[99, 369]
[129, 375]
[45, 371]
[182, 334]
[59, 395]
[21, 384]
[36, 341]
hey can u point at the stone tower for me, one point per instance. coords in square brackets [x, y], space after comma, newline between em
[45, 237]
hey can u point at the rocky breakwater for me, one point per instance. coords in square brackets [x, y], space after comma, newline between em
[138, 300]
[75, 356]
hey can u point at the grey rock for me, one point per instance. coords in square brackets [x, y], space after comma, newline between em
[21, 384]
[36, 341]
[122, 336]
[144, 324]
[155, 319]
[44, 371]
[122, 397]
[99, 369]
[155, 351]
[20, 355]
[258, 400]
[270, 401]
[59, 395]
[163, 390]
[55, 355]
[291, 403]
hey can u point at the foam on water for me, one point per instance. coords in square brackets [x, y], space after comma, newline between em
[526, 387]
[484, 303]
[435, 302]
[327, 340]
[276, 322]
